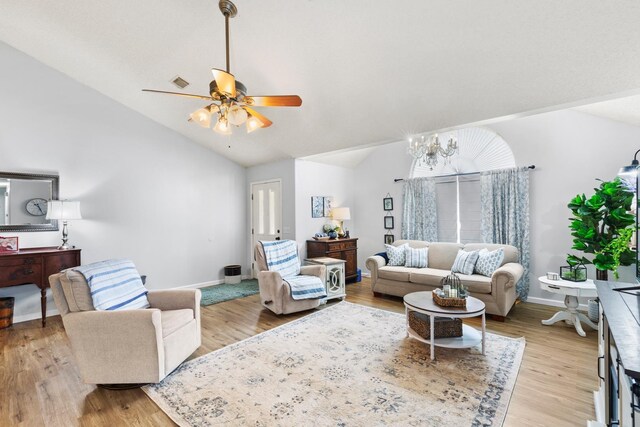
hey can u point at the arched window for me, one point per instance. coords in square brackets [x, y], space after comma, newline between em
[480, 149]
[457, 196]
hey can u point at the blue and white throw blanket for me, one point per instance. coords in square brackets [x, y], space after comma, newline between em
[306, 287]
[282, 257]
[115, 284]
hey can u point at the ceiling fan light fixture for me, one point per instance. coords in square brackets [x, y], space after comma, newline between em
[237, 115]
[253, 123]
[222, 127]
[228, 97]
[202, 117]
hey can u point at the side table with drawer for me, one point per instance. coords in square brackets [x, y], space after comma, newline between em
[344, 249]
[334, 281]
[34, 266]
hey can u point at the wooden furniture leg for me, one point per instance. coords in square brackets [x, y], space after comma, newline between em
[43, 305]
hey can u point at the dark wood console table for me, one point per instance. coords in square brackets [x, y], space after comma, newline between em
[34, 266]
[345, 249]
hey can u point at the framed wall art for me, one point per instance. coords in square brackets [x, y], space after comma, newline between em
[387, 203]
[388, 222]
[328, 201]
[8, 244]
[389, 239]
[317, 206]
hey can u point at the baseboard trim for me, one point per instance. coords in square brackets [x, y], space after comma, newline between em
[554, 303]
[207, 284]
[54, 311]
[33, 316]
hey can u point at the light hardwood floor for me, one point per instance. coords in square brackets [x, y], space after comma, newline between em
[39, 384]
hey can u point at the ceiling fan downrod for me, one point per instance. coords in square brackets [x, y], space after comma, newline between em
[229, 10]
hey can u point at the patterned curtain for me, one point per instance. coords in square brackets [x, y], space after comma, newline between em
[419, 218]
[504, 202]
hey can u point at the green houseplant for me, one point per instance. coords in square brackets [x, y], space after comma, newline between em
[602, 225]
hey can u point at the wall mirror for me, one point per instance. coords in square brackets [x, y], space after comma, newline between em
[23, 201]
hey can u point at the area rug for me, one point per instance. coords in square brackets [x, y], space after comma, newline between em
[346, 365]
[223, 292]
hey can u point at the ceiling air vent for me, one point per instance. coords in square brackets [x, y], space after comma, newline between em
[180, 82]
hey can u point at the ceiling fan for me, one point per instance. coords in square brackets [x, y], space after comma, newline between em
[230, 101]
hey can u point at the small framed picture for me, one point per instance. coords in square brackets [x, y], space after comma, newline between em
[317, 206]
[388, 203]
[388, 222]
[327, 206]
[388, 239]
[8, 244]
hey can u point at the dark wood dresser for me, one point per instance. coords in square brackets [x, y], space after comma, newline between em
[346, 249]
[34, 266]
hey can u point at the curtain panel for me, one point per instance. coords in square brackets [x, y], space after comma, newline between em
[504, 199]
[419, 217]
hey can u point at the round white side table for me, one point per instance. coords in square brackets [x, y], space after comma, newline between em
[571, 291]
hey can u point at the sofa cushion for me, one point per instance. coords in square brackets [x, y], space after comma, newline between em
[442, 255]
[384, 256]
[411, 243]
[396, 254]
[476, 283]
[511, 253]
[465, 262]
[489, 261]
[428, 276]
[76, 291]
[172, 320]
[415, 257]
[399, 273]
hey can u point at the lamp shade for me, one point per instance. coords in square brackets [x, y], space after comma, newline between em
[63, 209]
[340, 214]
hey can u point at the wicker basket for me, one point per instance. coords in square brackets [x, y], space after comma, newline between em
[449, 302]
[443, 327]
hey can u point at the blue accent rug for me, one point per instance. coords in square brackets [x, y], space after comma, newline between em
[223, 292]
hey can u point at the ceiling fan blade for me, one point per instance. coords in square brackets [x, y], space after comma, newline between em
[226, 82]
[273, 101]
[263, 120]
[187, 95]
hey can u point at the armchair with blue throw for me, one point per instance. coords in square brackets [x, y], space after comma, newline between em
[121, 333]
[285, 286]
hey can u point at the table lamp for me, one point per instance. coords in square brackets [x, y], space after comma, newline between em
[341, 214]
[63, 210]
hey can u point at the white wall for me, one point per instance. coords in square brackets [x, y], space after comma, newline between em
[373, 181]
[570, 149]
[319, 179]
[147, 193]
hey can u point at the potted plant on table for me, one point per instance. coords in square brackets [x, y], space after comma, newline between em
[602, 225]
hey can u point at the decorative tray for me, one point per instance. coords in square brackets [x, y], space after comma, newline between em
[321, 238]
[443, 301]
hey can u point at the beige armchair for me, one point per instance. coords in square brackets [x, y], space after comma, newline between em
[275, 293]
[127, 346]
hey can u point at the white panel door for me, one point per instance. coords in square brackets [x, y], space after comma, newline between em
[266, 214]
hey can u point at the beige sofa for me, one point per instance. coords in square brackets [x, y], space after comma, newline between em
[498, 292]
[275, 293]
[127, 346]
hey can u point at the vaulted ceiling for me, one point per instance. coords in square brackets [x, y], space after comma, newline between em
[368, 71]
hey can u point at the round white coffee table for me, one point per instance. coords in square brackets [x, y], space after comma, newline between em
[571, 291]
[422, 302]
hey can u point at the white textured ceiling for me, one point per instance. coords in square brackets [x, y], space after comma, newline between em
[625, 110]
[368, 71]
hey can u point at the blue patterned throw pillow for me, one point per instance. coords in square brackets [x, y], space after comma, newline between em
[465, 262]
[415, 257]
[489, 261]
[396, 254]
